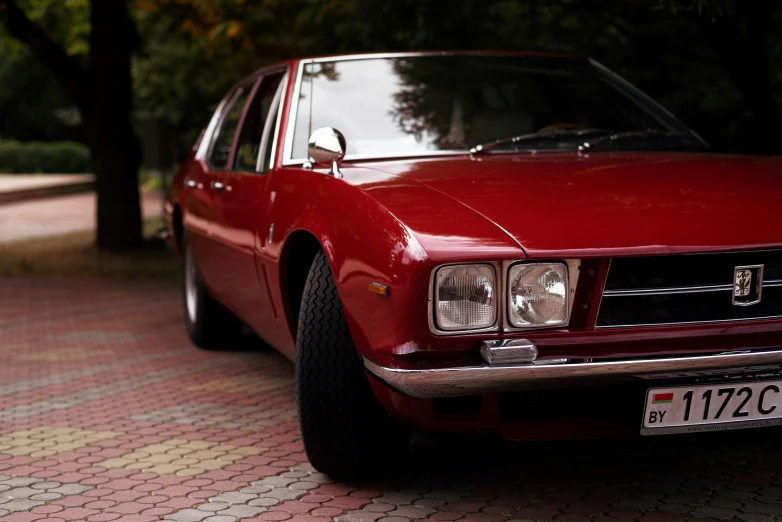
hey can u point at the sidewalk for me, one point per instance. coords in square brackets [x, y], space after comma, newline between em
[59, 215]
[24, 187]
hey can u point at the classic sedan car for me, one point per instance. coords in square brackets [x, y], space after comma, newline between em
[498, 243]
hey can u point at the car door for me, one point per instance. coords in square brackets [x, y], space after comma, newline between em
[209, 188]
[196, 198]
[239, 204]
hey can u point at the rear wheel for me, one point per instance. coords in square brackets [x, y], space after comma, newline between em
[345, 430]
[208, 323]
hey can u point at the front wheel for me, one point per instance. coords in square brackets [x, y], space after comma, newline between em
[209, 325]
[345, 430]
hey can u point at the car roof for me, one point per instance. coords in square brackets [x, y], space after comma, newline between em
[294, 62]
[360, 56]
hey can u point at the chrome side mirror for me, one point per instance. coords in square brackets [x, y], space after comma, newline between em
[327, 145]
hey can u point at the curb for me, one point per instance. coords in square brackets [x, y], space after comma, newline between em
[18, 196]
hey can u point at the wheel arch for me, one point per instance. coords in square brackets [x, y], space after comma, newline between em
[298, 252]
[178, 228]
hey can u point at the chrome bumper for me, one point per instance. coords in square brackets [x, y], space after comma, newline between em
[436, 383]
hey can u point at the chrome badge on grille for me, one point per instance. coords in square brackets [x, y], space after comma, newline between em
[747, 285]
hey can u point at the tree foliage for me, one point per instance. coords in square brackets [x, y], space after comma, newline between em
[32, 105]
[714, 63]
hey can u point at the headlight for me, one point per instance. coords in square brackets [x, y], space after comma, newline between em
[465, 297]
[538, 295]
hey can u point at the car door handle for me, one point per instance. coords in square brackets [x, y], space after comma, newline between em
[218, 186]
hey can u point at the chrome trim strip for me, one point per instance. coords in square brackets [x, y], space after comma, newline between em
[682, 289]
[283, 89]
[267, 127]
[370, 56]
[667, 291]
[436, 383]
[718, 321]
[287, 148]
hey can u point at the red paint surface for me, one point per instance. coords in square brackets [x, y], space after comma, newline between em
[609, 204]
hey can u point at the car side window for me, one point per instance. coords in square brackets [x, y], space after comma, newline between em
[260, 115]
[224, 134]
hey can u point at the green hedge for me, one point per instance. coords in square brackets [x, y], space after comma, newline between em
[33, 157]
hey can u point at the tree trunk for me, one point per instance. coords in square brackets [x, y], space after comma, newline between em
[113, 142]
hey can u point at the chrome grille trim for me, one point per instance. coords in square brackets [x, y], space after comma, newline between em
[684, 323]
[682, 290]
[691, 290]
[667, 291]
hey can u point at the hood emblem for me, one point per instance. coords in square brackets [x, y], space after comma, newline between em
[747, 285]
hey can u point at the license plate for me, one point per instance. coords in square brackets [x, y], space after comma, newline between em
[715, 407]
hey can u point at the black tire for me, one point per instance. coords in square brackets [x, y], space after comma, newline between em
[346, 432]
[209, 324]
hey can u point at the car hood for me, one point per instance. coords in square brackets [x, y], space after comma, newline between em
[556, 205]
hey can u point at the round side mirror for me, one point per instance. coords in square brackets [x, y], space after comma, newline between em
[327, 145]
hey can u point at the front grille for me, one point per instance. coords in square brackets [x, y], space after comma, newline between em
[693, 288]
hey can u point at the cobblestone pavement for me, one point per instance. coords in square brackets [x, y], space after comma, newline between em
[107, 413]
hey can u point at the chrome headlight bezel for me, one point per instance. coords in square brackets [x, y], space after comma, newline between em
[502, 322]
[562, 269]
[434, 318]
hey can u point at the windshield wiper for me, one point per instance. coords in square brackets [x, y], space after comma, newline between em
[649, 139]
[545, 138]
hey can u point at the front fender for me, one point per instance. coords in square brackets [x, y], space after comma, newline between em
[364, 243]
[375, 228]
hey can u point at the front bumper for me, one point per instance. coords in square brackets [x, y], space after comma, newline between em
[459, 381]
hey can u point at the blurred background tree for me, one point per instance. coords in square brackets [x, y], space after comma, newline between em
[714, 63]
[87, 48]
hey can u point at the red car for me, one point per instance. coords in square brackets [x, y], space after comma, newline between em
[501, 243]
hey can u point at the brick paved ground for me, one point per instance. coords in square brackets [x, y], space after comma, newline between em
[107, 413]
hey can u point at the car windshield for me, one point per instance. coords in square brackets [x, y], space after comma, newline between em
[422, 104]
